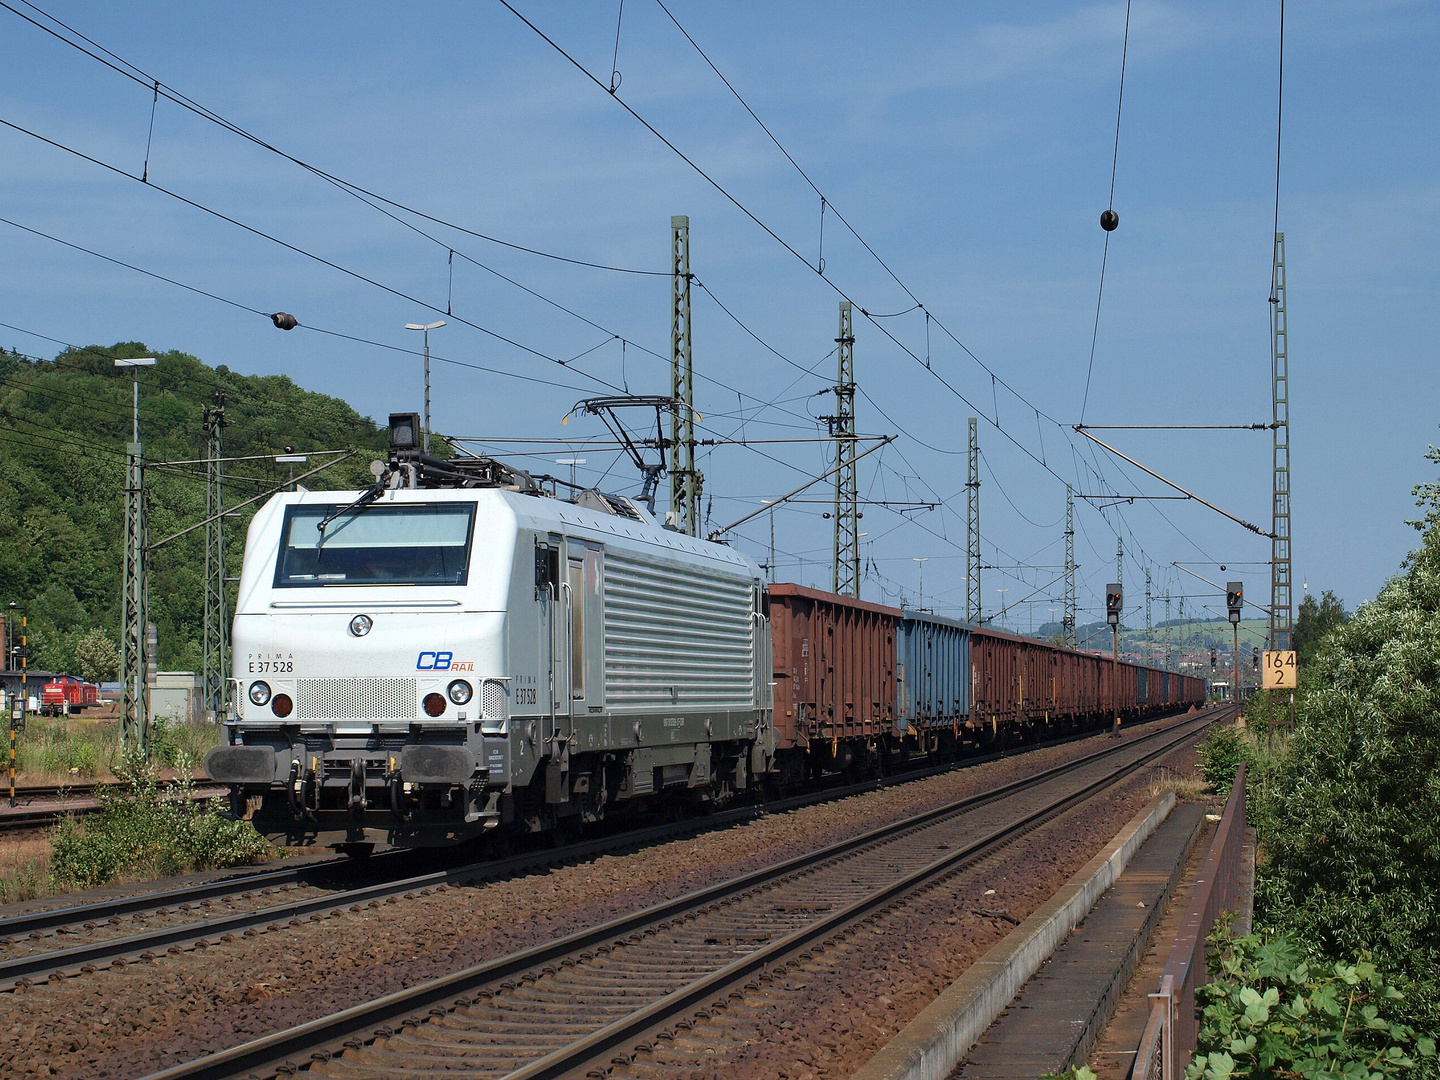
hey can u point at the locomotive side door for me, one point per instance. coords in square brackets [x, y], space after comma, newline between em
[585, 611]
[551, 594]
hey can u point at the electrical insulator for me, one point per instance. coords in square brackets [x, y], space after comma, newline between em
[283, 320]
[1109, 221]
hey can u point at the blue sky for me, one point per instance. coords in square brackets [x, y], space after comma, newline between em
[969, 145]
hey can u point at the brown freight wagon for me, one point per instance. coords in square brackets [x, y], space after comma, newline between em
[835, 688]
[1023, 687]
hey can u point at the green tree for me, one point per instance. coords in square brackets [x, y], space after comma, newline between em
[97, 656]
[1315, 621]
[61, 483]
[1351, 825]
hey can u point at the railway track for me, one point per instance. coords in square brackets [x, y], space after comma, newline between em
[38, 806]
[567, 1006]
[74, 940]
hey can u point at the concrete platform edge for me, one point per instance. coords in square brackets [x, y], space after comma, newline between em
[937, 1040]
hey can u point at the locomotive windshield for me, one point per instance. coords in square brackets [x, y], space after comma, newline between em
[395, 544]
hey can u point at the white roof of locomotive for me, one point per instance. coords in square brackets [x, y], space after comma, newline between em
[501, 512]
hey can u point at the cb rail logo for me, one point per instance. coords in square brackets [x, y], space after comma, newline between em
[433, 661]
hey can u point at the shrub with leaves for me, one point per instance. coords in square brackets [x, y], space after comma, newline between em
[1220, 756]
[144, 830]
[1351, 828]
[1268, 1012]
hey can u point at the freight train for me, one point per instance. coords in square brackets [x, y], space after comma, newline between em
[455, 652]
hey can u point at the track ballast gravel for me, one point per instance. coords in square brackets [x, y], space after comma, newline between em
[143, 1017]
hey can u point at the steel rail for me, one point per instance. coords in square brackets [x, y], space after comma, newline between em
[634, 1027]
[242, 881]
[33, 817]
[327, 1035]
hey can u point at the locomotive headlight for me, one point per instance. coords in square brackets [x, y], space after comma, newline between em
[360, 625]
[460, 691]
[259, 692]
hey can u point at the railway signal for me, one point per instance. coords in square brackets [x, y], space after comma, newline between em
[1234, 601]
[1114, 602]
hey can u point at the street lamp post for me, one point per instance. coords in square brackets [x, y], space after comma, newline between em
[920, 606]
[135, 604]
[426, 328]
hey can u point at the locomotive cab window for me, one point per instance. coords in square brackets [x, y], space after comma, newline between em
[394, 544]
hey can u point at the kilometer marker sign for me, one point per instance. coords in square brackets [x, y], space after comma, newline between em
[1280, 670]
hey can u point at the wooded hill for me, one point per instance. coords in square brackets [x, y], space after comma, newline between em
[64, 425]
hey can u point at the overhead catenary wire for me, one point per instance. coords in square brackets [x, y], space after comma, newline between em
[1041, 459]
[138, 75]
[1110, 209]
[357, 275]
[725, 193]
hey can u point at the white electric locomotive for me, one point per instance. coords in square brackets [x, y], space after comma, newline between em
[457, 650]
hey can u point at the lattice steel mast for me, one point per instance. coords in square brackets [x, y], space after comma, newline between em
[685, 480]
[972, 531]
[846, 567]
[1281, 626]
[1067, 621]
[1149, 638]
[135, 604]
[216, 628]
[1120, 575]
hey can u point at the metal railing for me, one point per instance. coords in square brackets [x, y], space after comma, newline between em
[1169, 1037]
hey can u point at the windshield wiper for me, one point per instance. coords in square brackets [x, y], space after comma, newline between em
[367, 496]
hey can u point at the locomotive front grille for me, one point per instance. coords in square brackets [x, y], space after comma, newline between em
[494, 702]
[355, 699]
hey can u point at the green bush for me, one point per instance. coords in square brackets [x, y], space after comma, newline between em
[1350, 826]
[1220, 756]
[1269, 1013]
[143, 829]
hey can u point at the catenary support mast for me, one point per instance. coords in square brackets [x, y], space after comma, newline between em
[216, 628]
[846, 566]
[972, 531]
[685, 480]
[1281, 627]
[134, 648]
[1120, 575]
[1068, 618]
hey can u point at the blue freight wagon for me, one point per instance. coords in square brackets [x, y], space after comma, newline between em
[933, 682]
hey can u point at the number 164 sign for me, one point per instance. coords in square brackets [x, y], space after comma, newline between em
[1280, 670]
